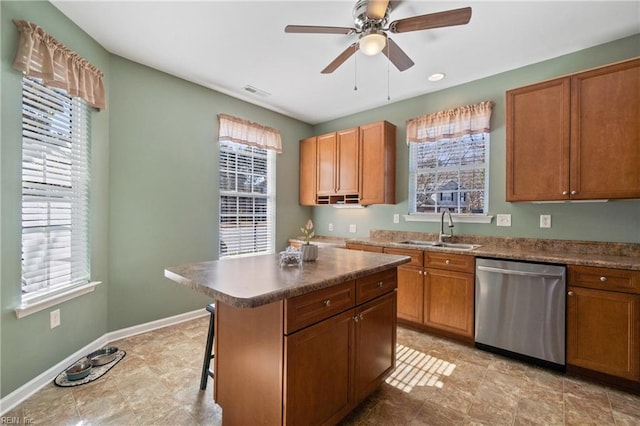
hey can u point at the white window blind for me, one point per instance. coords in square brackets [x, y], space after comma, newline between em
[449, 174]
[247, 199]
[55, 190]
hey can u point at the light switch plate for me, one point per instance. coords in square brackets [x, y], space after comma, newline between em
[545, 221]
[331, 227]
[503, 220]
[396, 218]
[54, 318]
[352, 228]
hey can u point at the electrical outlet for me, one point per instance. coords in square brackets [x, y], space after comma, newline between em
[352, 228]
[331, 227]
[545, 221]
[396, 218]
[503, 220]
[54, 318]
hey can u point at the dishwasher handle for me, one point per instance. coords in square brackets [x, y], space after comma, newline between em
[515, 272]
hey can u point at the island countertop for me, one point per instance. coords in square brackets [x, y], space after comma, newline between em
[248, 282]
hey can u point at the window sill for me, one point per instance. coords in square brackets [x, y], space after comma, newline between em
[460, 218]
[27, 309]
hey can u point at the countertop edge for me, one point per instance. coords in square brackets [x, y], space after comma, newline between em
[566, 258]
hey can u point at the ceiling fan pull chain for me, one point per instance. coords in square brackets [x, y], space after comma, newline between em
[355, 68]
[388, 78]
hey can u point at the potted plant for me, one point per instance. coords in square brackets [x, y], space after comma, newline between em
[309, 251]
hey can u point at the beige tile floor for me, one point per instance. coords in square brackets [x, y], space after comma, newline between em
[437, 382]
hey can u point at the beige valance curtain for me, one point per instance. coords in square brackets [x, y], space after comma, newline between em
[42, 56]
[234, 129]
[452, 123]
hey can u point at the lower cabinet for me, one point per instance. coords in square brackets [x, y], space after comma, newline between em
[436, 290]
[603, 321]
[449, 301]
[336, 362]
[319, 360]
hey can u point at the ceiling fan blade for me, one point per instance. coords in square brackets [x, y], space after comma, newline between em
[377, 9]
[318, 29]
[346, 54]
[397, 55]
[432, 20]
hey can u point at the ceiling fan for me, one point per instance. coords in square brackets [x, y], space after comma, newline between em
[370, 21]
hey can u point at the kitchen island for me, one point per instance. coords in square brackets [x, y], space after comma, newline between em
[298, 345]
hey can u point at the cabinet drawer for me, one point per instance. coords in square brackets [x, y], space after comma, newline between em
[416, 255]
[450, 262]
[375, 285]
[605, 278]
[310, 308]
[364, 247]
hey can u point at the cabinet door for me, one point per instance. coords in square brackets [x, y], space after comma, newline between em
[448, 301]
[603, 331]
[538, 141]
[308, 163]
[378, 163]
[410, 293]
[375, 344]
[347, 161]
[605, 132]
[326, 156]
[319, 363]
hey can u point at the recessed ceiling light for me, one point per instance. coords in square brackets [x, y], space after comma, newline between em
[436, 77]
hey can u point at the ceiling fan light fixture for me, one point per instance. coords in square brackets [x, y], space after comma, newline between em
[372, 43]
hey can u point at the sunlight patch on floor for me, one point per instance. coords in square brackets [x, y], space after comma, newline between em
[415, 368]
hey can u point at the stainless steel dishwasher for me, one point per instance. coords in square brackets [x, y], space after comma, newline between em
[520, 310]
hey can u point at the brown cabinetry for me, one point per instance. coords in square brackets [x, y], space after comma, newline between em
[308, 164]
[337, 156]
[352, 166]
[436, 290]
[575, 137]
[603, 321]
[339, 346]
[378, 163]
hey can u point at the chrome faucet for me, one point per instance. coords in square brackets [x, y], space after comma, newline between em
[442, 235]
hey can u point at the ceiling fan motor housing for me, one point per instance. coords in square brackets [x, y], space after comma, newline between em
[362, 22]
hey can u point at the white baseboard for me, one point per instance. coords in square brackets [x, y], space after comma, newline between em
[25, 391]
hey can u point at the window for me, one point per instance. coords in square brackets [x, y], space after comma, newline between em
[55, 191]
[449, 160]
[247, 199]
[450, 174]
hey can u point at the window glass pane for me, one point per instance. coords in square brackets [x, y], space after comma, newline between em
[55, 190]
[246, 200]
[449, 174]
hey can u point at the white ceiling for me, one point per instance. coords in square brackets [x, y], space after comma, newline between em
[227, 45]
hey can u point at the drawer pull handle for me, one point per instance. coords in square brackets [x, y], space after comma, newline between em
[574, 192]
[361, 317]
[447, 261]
[380, 283]
[603, 279]
[355, 318]
[327, 302]
[565, 192]
[570, 293]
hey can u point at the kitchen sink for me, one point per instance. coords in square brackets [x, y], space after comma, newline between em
[436, 244]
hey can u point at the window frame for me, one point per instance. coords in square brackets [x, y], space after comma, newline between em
[413, 171]
[268, 244]
[40, 124]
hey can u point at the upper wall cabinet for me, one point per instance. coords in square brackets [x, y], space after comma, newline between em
[353, 166]
[576, 137]
[307, 194]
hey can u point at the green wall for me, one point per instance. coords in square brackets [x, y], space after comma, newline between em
[28, 346]
[612, 221]
[164, 186]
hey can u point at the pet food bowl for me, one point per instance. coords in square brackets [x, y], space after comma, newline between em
[103, 356]
[79, 370]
